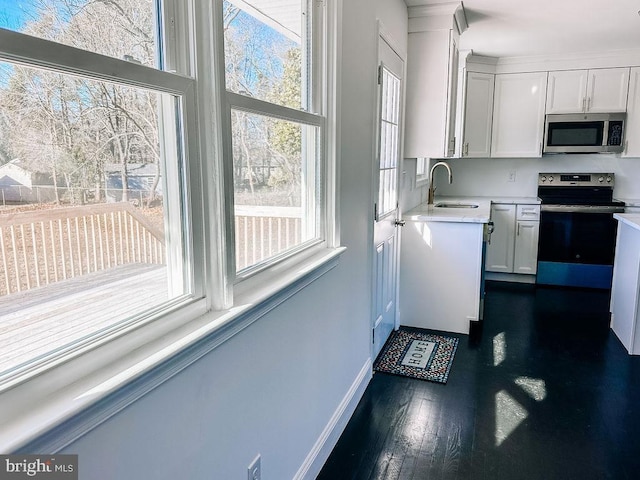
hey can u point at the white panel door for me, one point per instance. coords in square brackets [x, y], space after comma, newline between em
[607, 90]
[525, 258]
[518, 115]
[500, 249]
[632, 142]
[478, 112]
[566, 91]
[387, 169]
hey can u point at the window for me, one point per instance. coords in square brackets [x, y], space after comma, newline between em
[124, 29]
[130, 213]
[276, 129]
[94, 178]
[389, 147]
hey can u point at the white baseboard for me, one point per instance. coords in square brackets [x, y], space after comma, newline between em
[510, 277]
[318, 455]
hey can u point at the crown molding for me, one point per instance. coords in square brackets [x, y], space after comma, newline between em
[611, 59]
[440, 16]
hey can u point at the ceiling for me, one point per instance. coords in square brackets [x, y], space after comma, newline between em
[508, 28]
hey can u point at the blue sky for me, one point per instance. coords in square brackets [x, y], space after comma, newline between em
[13, 13]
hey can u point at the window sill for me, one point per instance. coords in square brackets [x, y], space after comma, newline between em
[53, 409]
[422, 180]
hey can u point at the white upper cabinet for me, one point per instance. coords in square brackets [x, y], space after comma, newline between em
[632, 126]
[518, 114]
[477, 115]
[431, 94]
[588, 91]
[432, 79]
[566, 91]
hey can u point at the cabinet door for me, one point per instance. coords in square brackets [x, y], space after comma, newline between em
[518, 115]
[566, 91]
[632, 142]
[478, 112]
[427, 127]
[525, 258]
[501, 246]
[607, 90]
[452, 94]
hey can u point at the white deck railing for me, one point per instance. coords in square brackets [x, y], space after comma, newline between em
[46, 246]
[262, 232]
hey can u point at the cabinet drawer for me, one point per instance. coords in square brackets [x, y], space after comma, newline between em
[528, 212]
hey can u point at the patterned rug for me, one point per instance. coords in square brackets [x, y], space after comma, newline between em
[419, 355]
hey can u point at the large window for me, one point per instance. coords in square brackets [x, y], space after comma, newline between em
[271, 50]
[155, 156]
[124, 29]
[94, 178]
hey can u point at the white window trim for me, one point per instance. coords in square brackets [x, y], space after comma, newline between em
[60, 402]
[322, 71]
[423, 177]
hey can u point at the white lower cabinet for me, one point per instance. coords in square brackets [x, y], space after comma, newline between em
[525, 256]
[501, 246]
[514, 242]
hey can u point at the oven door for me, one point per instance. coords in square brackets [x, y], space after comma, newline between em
[576, 246]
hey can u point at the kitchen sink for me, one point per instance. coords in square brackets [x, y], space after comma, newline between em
[455, 205]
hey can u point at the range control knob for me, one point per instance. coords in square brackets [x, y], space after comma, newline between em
[551, 178]
[543, 178]
[609, 179]
[601, 179]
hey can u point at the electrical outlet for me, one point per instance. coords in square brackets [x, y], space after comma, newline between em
[254, 471]
[512, 176]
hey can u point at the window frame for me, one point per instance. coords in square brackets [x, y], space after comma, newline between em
[315, 92]
[59, 401]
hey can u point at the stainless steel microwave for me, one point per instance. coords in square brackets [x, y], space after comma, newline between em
[584, 133]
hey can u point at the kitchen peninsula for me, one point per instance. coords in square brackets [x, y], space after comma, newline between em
[441, 264]
[625, 292]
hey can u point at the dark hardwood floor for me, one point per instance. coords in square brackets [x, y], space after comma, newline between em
[543, 390]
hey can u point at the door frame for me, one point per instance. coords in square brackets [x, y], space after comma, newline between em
[384, 35]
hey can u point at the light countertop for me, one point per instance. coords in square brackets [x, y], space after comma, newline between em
[630, 219]
[516, 200]
[430, 213]
[482, 214]
[631, 202]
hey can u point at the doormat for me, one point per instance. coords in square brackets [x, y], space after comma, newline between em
[419, 355]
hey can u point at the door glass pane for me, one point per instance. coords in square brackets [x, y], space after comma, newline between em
[388, 143]
[125, 29]
[264, 50]
[91, 225]
[275, 186]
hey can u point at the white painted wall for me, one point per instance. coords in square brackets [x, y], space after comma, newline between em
[489, 176]
[273, 388]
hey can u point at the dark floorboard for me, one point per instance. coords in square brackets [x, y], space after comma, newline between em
[543, 390]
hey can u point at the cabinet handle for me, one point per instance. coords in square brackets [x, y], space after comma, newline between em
[466, 149]
[588, 103]
[584, 104]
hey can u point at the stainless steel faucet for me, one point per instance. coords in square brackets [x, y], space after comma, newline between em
[432, 188]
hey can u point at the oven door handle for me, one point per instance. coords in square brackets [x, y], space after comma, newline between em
[581, 209]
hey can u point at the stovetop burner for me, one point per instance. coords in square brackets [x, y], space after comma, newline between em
[592, 189]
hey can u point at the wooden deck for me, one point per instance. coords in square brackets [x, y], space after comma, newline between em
[36, 322]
